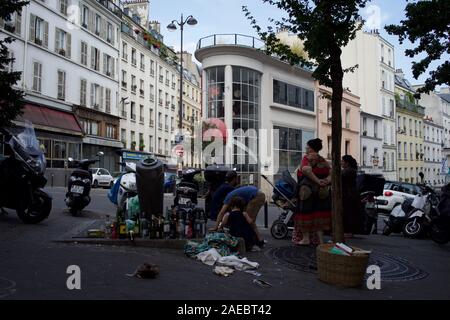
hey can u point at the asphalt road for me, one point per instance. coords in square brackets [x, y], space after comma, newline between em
[33, 266]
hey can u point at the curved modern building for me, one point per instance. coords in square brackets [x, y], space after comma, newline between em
[254, 94]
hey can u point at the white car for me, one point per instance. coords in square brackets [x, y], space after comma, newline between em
[395, 193]
[101, 178]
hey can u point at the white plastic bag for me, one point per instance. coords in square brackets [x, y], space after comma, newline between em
[209, 257]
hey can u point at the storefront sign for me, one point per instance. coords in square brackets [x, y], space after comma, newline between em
[134, 156]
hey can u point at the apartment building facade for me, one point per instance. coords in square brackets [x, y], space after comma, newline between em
[409, 131]
[149, 89]
[67, 52]
[373, 82]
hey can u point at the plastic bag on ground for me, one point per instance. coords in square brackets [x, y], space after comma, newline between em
[238, 263]
[209, 257]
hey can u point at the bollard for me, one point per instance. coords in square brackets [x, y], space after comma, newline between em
[266, 215]
[52, 179]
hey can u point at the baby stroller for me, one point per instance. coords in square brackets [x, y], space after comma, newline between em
[285, 199]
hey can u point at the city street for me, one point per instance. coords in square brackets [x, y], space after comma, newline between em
[34, 265]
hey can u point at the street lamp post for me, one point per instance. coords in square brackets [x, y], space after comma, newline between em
[190, 20]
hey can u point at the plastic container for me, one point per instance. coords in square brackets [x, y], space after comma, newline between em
[150, 187]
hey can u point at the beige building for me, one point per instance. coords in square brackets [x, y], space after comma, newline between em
[409, 131]
[350, 122]
[192, 106]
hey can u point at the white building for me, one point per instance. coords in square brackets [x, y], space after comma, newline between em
[371, 141]
[373, 82]
[445, 100]
[67, 51]
[248, 89]
[149, 95]
[433, 152]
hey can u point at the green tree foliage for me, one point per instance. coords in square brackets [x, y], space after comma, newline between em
[324, 27]
[427, 26]
[10, 100]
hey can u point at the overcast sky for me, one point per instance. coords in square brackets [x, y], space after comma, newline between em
[226, 16]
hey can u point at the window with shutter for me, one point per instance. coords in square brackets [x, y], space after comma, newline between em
[102, 102]
[63, 7]
[105, 64]
[36, 77]
[92, 94]
[61, 84]
[18, 29]
[68, 45]
[83, 92]
[108, 100]
[32, 33]
[46, 34]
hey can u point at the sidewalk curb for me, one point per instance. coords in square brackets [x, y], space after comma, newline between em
[162, 244]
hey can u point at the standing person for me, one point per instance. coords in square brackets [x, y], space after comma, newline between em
[352, 217]
[239, 222]
[231, 181]
[254, 200]
[314, 201]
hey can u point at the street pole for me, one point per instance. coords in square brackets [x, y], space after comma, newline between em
[180, 111]
[190, 20]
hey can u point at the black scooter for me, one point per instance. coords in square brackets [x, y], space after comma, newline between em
[22, 177]
[79, 186]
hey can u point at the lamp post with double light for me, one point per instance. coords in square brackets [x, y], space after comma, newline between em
[190, 20]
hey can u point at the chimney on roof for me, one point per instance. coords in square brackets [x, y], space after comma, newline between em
[399, 73]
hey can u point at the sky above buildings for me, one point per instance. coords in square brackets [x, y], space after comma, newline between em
[226, 16]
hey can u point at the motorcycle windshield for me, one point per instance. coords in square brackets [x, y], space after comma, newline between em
[29, 149]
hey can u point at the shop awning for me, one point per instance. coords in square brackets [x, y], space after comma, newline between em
[48, 119]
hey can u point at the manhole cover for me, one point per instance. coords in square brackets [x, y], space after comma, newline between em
[304, 259]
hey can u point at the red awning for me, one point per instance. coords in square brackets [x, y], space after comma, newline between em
[51, 119]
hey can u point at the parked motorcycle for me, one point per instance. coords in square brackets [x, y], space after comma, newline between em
[398, 217]
[22, 176]
[419, 220]
[79, 186]
[440, 222]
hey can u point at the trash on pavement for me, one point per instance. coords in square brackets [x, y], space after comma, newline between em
[145, 271]
[238, 263]
[253, 272]
[223, 271]
[209, 257]
[261, 283]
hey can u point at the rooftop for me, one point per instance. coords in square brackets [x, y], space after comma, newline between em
[239, 40]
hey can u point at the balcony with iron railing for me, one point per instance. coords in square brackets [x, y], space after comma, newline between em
[408, 105]
[108, 4]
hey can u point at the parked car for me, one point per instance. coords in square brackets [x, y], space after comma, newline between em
[169, 182]
[101, 178]
[395, 193]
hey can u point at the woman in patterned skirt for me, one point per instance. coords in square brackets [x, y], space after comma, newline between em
[314, 200]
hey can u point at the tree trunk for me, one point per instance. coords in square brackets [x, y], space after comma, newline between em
[336, 134]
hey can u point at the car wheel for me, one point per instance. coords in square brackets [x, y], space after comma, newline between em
[95, 184]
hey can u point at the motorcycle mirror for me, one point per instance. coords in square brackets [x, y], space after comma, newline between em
[100, 154]
[70, 159]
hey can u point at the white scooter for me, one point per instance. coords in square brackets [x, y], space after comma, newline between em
[419, 220]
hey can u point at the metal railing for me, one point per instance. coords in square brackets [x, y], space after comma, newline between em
[230, 39]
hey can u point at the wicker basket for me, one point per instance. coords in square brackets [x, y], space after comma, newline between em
[346, 271]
